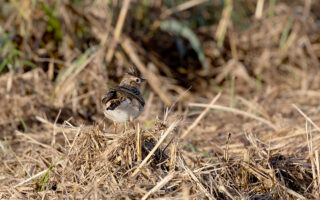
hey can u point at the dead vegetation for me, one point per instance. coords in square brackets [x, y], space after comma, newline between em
[246, 129]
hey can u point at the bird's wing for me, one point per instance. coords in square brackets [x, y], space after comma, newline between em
[131, 93]
[112, 99]
[111, 94]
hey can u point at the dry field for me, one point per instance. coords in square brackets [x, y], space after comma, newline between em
[232, 99]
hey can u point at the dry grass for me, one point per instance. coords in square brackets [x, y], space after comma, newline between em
[258, 138]
[55, 160]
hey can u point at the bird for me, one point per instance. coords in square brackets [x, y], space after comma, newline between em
[124, 102]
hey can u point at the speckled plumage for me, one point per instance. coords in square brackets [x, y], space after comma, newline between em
[124, 102]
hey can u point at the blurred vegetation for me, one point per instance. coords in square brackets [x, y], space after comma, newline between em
[202, 36]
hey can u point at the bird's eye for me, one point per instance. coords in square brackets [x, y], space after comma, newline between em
[137, 80]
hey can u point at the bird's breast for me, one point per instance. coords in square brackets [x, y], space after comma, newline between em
[126, 111]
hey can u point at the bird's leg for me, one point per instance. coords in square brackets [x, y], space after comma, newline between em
[125, 126]
[132, 124]
[115, 127]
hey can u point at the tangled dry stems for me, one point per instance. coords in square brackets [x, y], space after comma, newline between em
[55, 144]
[98, 163]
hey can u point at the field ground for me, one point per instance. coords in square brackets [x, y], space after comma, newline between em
[232, 100]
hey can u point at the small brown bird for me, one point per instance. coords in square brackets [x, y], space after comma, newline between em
[124, 102]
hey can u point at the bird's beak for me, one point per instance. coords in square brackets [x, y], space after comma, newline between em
[143, 79]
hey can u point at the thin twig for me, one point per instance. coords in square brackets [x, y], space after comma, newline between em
[37, 175]
[195, 179]
[195, 123]
[259, 9]
[159, 185]
[236, 111]
[35, 141]
[54, 129]
[172, 126]
[139, 155]
[118, 30]
[293, 193]
[306, 117]
[181, 7]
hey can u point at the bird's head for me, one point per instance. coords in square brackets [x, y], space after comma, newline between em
[132, 79]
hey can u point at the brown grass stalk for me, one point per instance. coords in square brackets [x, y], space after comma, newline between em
[163, 137]
[201, 116]
[118, 30]
[181, 7]
[195, 179]
[159, 185]
[235, 111]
